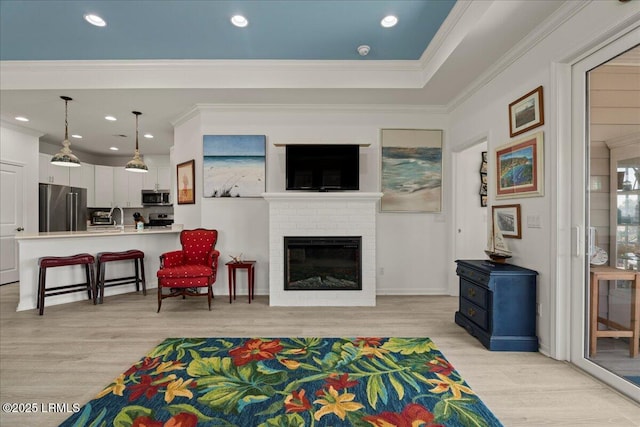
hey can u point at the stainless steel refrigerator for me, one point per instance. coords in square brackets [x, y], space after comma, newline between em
[62, 208]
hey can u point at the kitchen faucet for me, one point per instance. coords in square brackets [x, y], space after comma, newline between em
[121, 226]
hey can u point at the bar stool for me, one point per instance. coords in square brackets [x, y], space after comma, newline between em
[54, 261]
[633, 330]
[138, 262]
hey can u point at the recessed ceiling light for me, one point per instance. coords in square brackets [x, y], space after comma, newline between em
[75, 135]
[239, 21]
[110, 118]
[389, 21]
[95, 20]
[113, 148]
[22, 119]
[148, 135]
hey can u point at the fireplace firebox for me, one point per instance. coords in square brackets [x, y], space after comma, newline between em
[322, 263]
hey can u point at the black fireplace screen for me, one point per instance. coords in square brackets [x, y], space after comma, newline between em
[322, 263]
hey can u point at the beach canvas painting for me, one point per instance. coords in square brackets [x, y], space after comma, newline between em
[411, 170]
[234, 165]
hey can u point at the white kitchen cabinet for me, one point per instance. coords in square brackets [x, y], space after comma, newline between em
[127, 188]
[158, 178]
[52, 174]
[164, 178]
[104, 184]
[84, 177]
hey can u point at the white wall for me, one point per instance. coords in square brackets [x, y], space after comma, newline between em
[411, 248]
[20, 146]
[486, 112]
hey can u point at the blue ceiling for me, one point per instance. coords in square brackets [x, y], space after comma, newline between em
[190, 29]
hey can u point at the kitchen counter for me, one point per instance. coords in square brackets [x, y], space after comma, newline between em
[99, 231]
[153, 242]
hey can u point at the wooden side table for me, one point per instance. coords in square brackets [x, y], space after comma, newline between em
[633, 330]
[250, 266]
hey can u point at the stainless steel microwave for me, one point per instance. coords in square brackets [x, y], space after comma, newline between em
[156, 198]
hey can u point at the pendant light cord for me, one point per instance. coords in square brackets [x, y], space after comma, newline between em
[66, 122]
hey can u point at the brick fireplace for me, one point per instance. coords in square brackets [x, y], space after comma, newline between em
[301, 214]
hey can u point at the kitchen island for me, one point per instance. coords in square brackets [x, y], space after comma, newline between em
[153, 242]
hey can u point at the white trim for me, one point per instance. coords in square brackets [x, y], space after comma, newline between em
[313, 196]
[559, 94]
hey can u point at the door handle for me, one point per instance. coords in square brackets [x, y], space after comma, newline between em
[20, 229]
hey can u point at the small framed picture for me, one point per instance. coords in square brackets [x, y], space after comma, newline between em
[186, 183]
[507, 219]
[526, 112]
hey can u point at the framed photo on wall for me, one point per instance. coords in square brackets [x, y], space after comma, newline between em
[234, 165]
[526, 112]
[507, 219]
[186, 182]
[411, 170]
[483, 180]
[520, 169]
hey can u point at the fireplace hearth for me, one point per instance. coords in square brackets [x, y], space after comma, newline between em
[322, 263]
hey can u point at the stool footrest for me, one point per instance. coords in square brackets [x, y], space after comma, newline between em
[67, 289]
[120, 281]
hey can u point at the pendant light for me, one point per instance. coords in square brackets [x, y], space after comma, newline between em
[65, 157]
[136, 164]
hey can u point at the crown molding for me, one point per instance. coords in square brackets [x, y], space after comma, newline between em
[453, 30]
[292, 108]
[623, 141]
[560, 16]
[17, 128]
[156, 74]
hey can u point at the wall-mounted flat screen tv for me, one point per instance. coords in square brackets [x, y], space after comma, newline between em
[323, 167]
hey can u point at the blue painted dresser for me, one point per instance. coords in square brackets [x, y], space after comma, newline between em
[498, 304]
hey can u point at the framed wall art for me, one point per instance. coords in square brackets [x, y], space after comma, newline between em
[411, 170]
[233, 165]
[483, 180]
[186, 182]
[507, 219]
[526, 113]
[520, 169]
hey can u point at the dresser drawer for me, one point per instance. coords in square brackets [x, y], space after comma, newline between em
[474, 313]
[474, 293]
[473, 275]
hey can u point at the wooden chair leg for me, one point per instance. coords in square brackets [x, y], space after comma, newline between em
[41, 290]
[89, 281]
[92, 282]
[159, 297]
[144, 279]
[137, 274]
[101, 283]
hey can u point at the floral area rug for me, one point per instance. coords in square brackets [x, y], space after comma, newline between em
[286, 382]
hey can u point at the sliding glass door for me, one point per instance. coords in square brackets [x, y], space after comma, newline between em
[606, 214]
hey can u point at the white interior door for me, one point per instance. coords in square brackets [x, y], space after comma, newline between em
[11, 219]
[470, 228]
[471, 217]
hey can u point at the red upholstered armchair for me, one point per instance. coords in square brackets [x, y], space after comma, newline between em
[195, 266]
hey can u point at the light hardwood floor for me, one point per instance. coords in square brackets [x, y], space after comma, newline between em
[74, 350]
